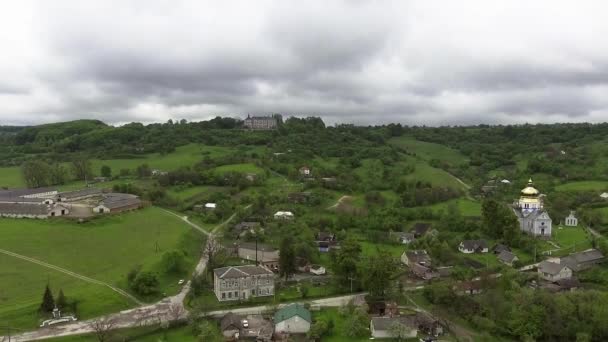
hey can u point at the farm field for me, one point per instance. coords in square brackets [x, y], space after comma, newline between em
[104, 249]
[428, 150]
[583, 186]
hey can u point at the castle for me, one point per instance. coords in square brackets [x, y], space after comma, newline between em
[533, 218]
[261, 122]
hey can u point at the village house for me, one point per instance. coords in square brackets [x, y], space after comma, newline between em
[552, 271]
[116, 203]
[428, 324]
[32, 210]
[471, 287]
[305, 171]
[583, 260]
[78, 195]
[420, 229]
[571, 220]
[242, 282]
[260, 122]
[326, 241]
[210, 206]
[423, 272]
[403, 237]
[500, 247]
[507, 258]
[292, 319]
[231, 325]
[243, 227]
[317, 270]
[531, 214]
[420, 257]
[264, 254]
[473, 246]
[384, 327]
[604, 195]
[299, 197]
[284, 215]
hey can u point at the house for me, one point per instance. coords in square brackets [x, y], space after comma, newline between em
[473, 246]
[317, 270]
[500, 247]
[265, 254]
[420, 257]
[386, 327]
[420, 229]
[283, 215]
[403, 237]
[231, 325]
[423, 272]
[568, 284]
[78, 195]
[326, 241]
[117, 202]
[157, 173]
[261, 122]
[210, 206]
[553, 271]
[242, 282]
[583, 260]
[293, 319]
[471, 287]
[604, 195]
[571, 220]
[507, 258]
[531, 214]
[505, 181]
[305, 171]
[244, 226]
[32, 210]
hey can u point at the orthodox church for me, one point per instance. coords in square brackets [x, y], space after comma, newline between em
[533, 219]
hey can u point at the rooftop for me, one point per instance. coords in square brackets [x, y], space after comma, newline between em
[240, 271]
[290, 311]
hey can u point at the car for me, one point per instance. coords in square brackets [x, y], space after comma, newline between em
[180, 282]
[245, 323]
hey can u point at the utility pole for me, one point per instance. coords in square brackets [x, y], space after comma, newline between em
[351, 278]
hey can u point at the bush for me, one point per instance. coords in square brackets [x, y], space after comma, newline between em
[146, 283]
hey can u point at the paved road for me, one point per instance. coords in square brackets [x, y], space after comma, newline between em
[72, 274]
[142, 315]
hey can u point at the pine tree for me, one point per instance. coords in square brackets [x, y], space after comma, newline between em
[48, 303]
[61, 301]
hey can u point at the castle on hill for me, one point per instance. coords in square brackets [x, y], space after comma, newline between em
[530, 211]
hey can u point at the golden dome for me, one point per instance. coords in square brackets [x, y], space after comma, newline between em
[530, 190]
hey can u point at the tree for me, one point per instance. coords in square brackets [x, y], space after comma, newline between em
[35, 173]
[145, 283]
[400, 331]
[356, 323]
[102, 328]
[48, 303]
[81, 167]
[345, 261]
[143, 171]
[318, 330]
[287, 258]
[57, 174]
[61, 301]
[209, 332]
[173, 261]
[106, 171]
[378, 271]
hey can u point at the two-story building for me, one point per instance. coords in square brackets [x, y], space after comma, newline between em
[242, 282]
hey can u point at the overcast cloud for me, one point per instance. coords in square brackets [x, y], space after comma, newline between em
[364, 62]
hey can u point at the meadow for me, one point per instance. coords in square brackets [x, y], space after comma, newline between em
[583, 186]
[104, 249]
[429, 151]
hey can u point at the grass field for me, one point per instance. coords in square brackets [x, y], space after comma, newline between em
[428, 151]
[583, 186]
[466, 206]
[242, 168]
[426, 173]
[571, 238]
[104, 249]
[10, 177]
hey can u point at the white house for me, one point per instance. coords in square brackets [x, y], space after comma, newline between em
[553, 271]
[305, 171]
[210, 206]
[473, 246]
[283, 215]
[604, 195]
[571, 220]
[293, 319]
[505, 181]
[317, 269]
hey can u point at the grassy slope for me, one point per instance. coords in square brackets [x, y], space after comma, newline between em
[583, 186]
[243, 168]
[428, 151]
[104, 249]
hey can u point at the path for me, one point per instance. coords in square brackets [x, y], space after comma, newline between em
[595, 233]
[72, 274]
[467, 186]
[142, 315]
[340, 200]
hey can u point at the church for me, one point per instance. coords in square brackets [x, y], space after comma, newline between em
[533, 219]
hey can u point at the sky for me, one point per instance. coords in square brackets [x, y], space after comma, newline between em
[363, 62]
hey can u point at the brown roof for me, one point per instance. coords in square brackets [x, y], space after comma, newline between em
[230, 321]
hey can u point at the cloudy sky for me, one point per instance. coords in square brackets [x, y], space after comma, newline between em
[414, 62]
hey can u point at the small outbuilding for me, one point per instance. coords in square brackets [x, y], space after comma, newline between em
[293, 319]
[571, 220]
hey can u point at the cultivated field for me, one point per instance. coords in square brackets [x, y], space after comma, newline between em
[104, 249]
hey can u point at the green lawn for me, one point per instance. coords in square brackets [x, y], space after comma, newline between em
[583, 186]
[242, 168]
[104, 249]
[145, 334]
[571, 238]
[10, 177]
[428, 151]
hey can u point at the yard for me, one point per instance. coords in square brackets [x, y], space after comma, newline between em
[104, 249]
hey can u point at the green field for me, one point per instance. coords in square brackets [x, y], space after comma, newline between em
[104, 249]
[10, 177]
[583, 186]
[572, 238]
[429, 151]
[242, 168]
[438, 177]
[466, 206]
